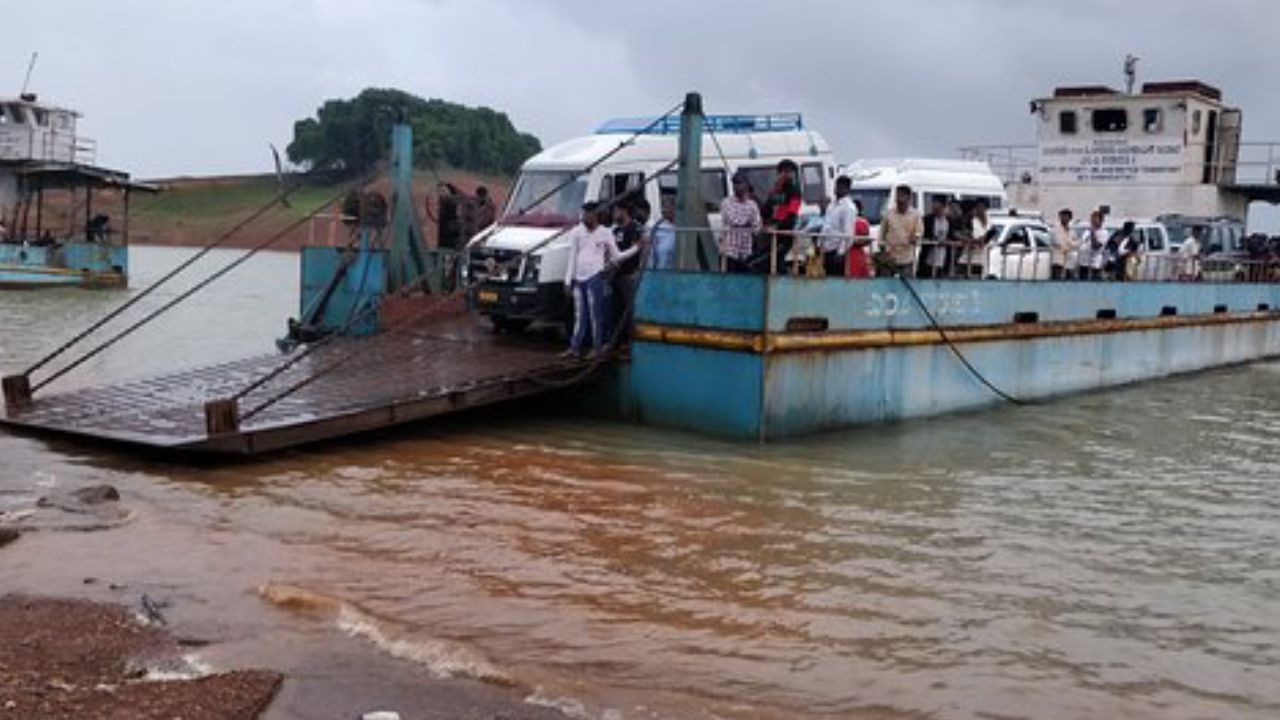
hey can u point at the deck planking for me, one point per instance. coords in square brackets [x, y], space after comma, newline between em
[441, 367]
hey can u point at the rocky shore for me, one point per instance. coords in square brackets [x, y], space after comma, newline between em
[79, 659]
[81, 640]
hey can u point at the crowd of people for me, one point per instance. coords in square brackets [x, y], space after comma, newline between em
[766, 235]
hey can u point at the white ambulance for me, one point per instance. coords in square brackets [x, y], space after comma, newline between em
[516, 277]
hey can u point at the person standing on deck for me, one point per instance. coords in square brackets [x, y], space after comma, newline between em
[837, 229]
[937, 231]
[1121, 250]
[973, 261]
[662, 237]
[1189, 256]
[858, 266]
[784, 209]
[805, 256]
[628, 233]
[1093, 249]
[486, 211]
[900, 233]
[592, 254]
[1065, 248]
[740, 219]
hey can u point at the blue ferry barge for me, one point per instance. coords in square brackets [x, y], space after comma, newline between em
[753, 357]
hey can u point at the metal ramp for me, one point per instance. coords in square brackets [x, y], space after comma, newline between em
[391, 379]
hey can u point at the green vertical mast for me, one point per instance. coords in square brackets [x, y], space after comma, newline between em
[695, 249]
[407, 261]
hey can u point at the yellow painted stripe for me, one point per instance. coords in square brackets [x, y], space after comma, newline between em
[39, 270]
[768, 343]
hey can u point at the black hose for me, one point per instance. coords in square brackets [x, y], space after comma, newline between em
[955, 350]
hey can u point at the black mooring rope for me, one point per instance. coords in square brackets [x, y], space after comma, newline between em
[955, 350]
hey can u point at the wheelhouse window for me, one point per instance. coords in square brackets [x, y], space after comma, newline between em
[41, 116]
[713, 186]
[1017, 236]
[1152, 120]
[546, 199]
[760, 180]
[621, 186]
[812, 188]
[1067, 122]
[873, 202]
[1197, 118]
[1110, 120]
[17, 115]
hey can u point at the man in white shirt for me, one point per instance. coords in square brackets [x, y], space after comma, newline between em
[1065, 253]
[837, 229]
[1189, 255]
[1093, 249]
[593, 253]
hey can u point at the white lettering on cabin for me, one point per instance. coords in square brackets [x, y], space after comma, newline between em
[942, 304]
[1112, 161]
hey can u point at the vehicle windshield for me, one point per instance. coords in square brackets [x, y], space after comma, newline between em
[546, 199]
[873, 203]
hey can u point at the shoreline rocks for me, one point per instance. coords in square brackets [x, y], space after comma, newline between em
[76, 658]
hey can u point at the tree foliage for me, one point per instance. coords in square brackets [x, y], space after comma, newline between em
[352, 136]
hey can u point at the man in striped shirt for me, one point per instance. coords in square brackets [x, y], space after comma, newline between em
[740, 218]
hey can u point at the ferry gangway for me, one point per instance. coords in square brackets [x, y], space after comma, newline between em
[399, 349]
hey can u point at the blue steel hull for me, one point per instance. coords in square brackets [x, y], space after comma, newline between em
[87, 265]
[768, 358]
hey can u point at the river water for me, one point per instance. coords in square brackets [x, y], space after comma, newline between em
[1108, 555]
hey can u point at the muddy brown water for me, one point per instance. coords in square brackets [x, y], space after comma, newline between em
[1109, 555]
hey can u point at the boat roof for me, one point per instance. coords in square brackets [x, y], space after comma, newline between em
[925, 172]
[745, 139]
[61, 175]
[31, 100]
[1177, 88]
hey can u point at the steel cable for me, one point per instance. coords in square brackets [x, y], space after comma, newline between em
[204, 283]
[276, 200]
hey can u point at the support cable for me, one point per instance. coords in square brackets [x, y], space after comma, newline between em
[573, 176]
[274, 238]
[275, 201]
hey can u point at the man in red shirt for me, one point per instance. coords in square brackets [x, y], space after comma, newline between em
[783, 208]
[858, 265]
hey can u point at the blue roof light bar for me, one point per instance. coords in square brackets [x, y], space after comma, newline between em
[670, 125]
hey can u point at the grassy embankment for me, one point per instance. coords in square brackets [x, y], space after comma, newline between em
[196, 211]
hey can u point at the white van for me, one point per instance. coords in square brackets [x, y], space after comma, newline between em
[874, 183]
[515, 277]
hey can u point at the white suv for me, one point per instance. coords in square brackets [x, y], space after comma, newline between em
[1018, 248]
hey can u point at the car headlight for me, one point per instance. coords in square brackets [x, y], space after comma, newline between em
[532, 264]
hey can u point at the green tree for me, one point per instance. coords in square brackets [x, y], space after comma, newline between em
[352, 136]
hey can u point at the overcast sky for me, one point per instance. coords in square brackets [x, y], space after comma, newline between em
[174, 87]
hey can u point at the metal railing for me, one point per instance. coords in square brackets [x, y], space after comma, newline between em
[1014, 163]
[26, 143]
[800, 254]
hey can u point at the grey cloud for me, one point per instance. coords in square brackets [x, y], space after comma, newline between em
[191, 87]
